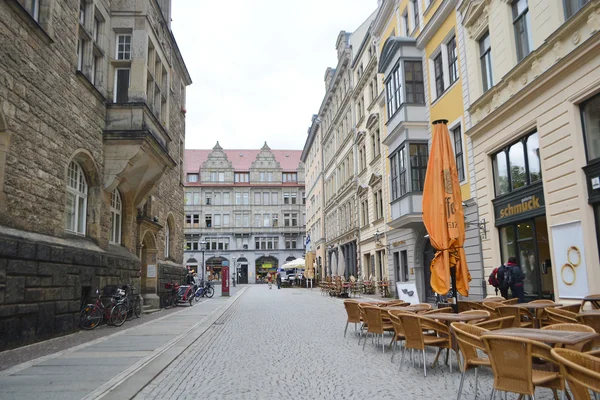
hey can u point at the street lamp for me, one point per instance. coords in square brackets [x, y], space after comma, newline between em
[233, 271]
[203, 249]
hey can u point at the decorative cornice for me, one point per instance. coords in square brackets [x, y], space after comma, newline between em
[383, 16]
[435, 23]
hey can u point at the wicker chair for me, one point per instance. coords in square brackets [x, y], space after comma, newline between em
[476, 306]
[363, 318]
[561, 316]
[463, 306]
[512, 362]
[376, 324]
[353, 314]
[540, 313]
[593, 321]
[438, 310]
[510, 301]
[582, 371]
[523, 317]
[423, 307]
[576, 308]
[585, 346]
[398, 328]
[492, 308]
[494, 298]
[469, 341]
[415, 339]
[484, 317]
[497, 323]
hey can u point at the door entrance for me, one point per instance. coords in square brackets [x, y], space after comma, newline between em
[428, 254]
[527, 240]
[243, 277]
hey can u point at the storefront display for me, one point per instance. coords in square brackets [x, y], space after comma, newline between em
[523, 231]
[264, 265]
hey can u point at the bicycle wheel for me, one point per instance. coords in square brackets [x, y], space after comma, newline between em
[137, 307]
[167, 301]
[198, 296]
[210, 292]
[90, 317]
[118, 315]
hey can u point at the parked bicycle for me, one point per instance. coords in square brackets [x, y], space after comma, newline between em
[205, 289]
[131, 301]
[92, 315]
[169, 299]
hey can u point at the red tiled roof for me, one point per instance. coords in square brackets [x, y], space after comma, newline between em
[242, 159]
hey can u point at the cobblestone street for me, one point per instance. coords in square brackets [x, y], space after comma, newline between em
[289, 344]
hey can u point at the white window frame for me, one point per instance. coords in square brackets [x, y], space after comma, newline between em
[451, 126]
[78, 194]
[116, 217]
[117, 46]
[192, 175]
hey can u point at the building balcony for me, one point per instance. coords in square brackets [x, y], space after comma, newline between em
[407, 211]
[136, 156]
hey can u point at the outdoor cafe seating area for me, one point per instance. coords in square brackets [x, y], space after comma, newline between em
[338, 286]
[540, 344]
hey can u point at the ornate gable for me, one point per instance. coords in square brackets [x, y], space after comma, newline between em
[217, 159]
[265, 160]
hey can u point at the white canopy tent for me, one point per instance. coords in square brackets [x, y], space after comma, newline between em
[297, 263]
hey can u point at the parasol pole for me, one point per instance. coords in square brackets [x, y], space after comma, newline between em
[455, 293]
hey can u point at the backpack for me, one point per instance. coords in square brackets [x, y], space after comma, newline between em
[493, 279]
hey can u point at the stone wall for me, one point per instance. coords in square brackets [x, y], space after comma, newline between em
[169, 273]
[42, 285]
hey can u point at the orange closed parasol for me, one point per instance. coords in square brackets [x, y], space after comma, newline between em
[443, 215]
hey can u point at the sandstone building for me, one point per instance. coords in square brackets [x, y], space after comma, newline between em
[533, 115]
[312, 157]
[243, 209]
[92, 126]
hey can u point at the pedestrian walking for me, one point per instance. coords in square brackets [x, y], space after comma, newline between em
[278, 279]
[270, 280]
[514, 276]
[498, 281]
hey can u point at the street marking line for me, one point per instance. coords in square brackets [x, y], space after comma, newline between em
[115, 382]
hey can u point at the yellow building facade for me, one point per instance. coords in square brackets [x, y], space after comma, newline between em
[419, 60]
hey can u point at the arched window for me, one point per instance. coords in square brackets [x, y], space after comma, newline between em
[76, 199]
[116, 212]
[167, 240]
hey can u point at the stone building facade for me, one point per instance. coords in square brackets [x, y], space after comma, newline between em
[533, 115]
[312, 157]
[92, 126]
[244, 209]
[372, 186]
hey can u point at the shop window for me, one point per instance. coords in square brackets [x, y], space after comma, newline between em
[518, 165]
[590, 115]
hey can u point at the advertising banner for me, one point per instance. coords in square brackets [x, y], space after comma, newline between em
[570, 269]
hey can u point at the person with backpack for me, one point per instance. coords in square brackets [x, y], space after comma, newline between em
[498, 281]
[514, 277]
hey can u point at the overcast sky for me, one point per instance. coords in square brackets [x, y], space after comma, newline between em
[257, 66]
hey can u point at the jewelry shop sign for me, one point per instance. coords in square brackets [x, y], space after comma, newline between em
[569, 260]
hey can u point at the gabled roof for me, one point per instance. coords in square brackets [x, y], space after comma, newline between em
[241, 159]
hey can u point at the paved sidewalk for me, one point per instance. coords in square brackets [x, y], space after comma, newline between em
[116, 366]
